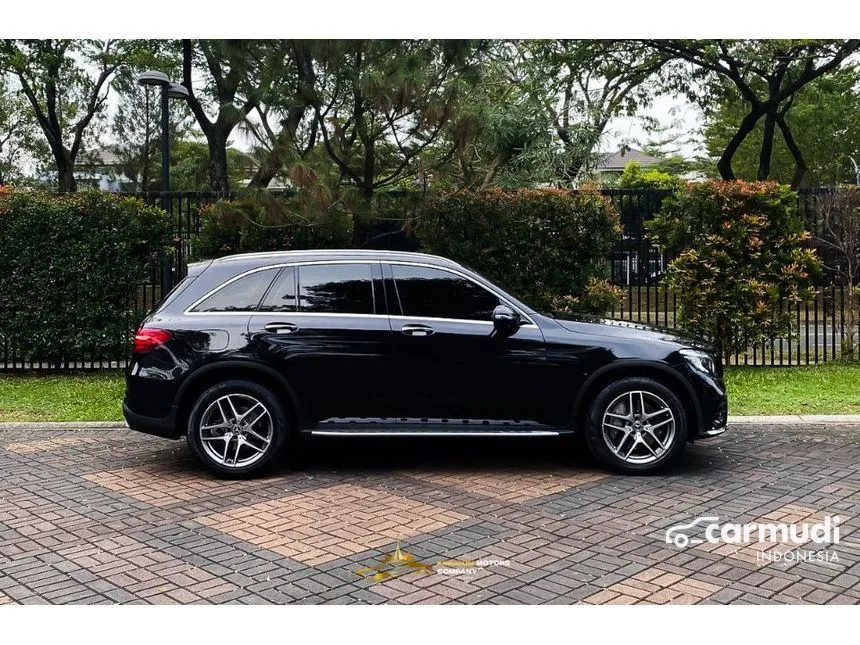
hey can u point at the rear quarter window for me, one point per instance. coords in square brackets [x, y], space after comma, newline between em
[242, 294]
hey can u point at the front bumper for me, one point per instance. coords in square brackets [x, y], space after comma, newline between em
[159, 426]
[710, 394]
[718, 423]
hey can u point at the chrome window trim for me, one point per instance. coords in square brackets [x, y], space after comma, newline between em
[531, 323]
[188, 310]
[451, 320]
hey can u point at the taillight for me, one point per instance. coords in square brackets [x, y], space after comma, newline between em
[145, 340]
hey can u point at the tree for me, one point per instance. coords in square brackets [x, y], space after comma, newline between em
[190, 166]
[502, 134]
[16, 132]
[822, 120]
[837, 232]
[136, 129]
[766, 73]
[587, 83]
[136, 125]
[739, 258]
[634, 176]
[283, 125]
[65, 83]
[662, 145]
[381, 105]
[234, 85]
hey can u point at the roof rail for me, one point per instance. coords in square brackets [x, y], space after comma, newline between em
[331, 252]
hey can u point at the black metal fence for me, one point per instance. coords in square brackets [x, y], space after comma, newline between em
[636, 266]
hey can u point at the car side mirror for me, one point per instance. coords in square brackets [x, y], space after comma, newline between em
[506, 321]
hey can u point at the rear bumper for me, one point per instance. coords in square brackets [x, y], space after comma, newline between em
[159, 426]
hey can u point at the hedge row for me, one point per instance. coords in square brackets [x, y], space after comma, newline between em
[71, 263]
[549, 247]
[69, 268]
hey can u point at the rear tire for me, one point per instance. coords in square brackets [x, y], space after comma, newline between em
[637, 426]
[238, 429]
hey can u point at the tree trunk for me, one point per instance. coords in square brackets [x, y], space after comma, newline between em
[766, 152]
[724, 165]
[66, 182]
[273, 160]
[361, 221]
[796, 153]
[265, 173]
[218, 176]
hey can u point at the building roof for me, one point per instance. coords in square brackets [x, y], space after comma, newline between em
[100, 158]
[615, 161]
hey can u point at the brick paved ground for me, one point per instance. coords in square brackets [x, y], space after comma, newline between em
[110, 516]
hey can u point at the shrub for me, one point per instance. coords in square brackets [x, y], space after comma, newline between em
[69, 268]
[266, 223]
[545, 246]
[634, 176]
[741, 258]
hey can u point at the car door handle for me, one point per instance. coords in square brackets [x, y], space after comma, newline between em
[417, 330]
[281, 327]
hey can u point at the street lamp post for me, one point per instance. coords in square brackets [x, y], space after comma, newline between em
[169, 90]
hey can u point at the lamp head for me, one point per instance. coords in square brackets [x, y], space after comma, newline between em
[177, 91]
[158, 79]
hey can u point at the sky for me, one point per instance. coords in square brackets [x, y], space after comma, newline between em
[682, 117]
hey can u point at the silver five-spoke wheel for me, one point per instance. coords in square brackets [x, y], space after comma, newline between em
[638, 427]
[236, 430]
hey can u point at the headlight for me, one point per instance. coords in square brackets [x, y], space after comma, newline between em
[701, 361]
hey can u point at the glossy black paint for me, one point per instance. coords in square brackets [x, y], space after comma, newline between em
[391, 364]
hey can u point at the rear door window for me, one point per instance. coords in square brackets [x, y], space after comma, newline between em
[335, 288]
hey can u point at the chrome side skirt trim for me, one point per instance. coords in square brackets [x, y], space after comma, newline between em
[435, 433]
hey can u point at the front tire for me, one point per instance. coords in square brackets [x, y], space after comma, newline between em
[238, 429]
[637, 426]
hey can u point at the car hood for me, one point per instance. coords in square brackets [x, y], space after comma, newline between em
[584, 324]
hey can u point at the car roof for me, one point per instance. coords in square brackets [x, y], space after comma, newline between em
[277, 257]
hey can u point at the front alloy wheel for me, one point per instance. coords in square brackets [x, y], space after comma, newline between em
[637, 425]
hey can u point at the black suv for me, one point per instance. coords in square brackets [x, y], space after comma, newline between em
[249, 350]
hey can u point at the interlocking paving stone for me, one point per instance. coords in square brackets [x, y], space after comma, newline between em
[24, 448]
[161, 485]
[111, 516]
[512, 486]
[329, 523]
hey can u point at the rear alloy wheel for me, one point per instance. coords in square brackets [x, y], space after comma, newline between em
[237, 428]
[637, 425]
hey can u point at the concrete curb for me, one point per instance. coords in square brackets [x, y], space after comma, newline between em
[780, 420]
[798, 419]
[62, 425]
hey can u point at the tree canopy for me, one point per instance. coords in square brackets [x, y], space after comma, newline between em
[766, 75]
[823, 122]
[346, 120]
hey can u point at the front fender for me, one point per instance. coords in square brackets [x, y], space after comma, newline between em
[624, 368]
